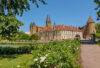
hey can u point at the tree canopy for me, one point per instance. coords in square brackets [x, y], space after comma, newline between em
[35, 37]
[98, 8]
[98, 27]
[9, 26]
[17, 6]
[98, 30]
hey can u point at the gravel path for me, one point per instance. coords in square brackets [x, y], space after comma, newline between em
[90, 56]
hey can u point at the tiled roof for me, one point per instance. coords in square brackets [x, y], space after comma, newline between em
[61, 27]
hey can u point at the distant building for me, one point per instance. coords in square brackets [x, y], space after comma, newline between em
[55, 32]
[89, 29]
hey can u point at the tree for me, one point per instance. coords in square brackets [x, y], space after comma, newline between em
[21, 35]
[98, 8]
[97, 30]
[35, 37]
[17, 6]
[9, 26]
[98, 27]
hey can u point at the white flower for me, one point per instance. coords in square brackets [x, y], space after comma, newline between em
[45, 65]
[39, 67]
[35, 60]
[47, 62]
[46, 55]
[42, 59]
[18, 66]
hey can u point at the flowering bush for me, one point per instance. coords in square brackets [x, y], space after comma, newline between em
[61, 54]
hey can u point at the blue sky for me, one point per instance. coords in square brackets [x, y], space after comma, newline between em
[62, 12]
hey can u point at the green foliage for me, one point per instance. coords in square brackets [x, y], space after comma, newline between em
[17, 6]
[98, 35]
[16, 61]
[97, 27]
[22, 36]
[35, 37]
[9, 26]
[98, 8]
[97, 30]
[56, 55]
[12, 50]
[99, 43]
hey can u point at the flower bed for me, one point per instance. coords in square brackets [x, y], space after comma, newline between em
[63, 54]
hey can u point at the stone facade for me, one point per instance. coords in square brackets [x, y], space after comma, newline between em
[89, 29]
[55, 32]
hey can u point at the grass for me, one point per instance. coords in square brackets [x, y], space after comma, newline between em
[16, 61]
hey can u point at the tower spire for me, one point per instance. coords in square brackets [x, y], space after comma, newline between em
[48, 17]
[48, 21]
[90, 20]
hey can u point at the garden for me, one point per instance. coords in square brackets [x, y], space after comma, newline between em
[56, 54]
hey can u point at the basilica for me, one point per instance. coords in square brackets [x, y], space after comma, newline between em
[62, 32]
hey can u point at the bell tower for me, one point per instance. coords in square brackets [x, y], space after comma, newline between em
[48, 22]
[33, 28]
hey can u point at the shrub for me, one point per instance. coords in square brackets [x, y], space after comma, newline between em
[61, 54]
[12, 50]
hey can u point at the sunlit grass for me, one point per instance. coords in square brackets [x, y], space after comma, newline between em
[19, 60]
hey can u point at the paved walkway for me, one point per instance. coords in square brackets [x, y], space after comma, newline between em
[90, 56]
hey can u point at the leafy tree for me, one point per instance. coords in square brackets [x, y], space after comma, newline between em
[17, 6]
[98, 8]
[22, 36]
[98, 27]
[35, 37]
[9, 26]
[97, 30]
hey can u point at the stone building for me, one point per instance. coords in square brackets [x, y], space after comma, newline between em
[55, 32]
[89, 29]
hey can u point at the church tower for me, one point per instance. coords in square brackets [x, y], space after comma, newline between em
[33, 28]
[91, 26]
[48, 22]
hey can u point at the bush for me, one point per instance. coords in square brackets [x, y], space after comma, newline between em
[99, 43]
[98, 35]
[12, 50]
[63, 54]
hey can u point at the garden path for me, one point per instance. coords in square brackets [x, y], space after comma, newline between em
[90, 56]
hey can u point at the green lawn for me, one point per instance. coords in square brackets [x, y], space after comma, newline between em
[16, 61]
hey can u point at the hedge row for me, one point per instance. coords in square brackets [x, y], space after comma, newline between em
[12, 50]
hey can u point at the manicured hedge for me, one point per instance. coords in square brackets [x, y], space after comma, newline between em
[13, 50]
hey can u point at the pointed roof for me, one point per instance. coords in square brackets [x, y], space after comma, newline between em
[34, 24]
[90, 20]
[48, 18]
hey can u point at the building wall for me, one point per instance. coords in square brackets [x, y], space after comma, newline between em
[33, 29]
[70, 34]
[59, 35]
[91, 28]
